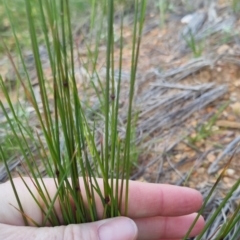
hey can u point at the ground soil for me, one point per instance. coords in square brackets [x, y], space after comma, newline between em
[163, 50]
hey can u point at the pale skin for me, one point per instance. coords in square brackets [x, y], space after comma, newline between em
[156, 212]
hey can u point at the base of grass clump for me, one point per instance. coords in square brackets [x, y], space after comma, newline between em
[66, 140]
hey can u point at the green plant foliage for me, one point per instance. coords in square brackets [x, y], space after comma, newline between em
[67, 137]
[163, 8]
[79, 10]
[229, 225]
[236, 6]
[196, 47]
[206, 130]
[67, 140]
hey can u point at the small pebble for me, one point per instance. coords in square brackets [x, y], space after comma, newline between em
[230, 172]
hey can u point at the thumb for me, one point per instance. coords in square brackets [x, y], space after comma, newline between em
[120, 228]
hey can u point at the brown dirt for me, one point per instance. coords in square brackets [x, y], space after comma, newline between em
[160, 52]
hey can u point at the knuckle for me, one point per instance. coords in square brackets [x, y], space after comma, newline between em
[80, 231]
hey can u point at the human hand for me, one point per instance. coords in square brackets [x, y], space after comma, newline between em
[156, 212]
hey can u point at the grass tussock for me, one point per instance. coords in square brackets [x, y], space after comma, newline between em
[66, 140]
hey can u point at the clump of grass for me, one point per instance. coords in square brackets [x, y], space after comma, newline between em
[66, 136]
[163, 7]
[196, 48]
[206, 129]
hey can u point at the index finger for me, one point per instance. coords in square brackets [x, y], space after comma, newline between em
[145, 200]
[149, 199]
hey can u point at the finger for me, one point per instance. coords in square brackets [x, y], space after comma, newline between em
[145, 200]
[110, 229]
[167, 227]
[9, 213]
[148, 200]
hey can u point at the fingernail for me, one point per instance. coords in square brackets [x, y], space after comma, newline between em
[118, 229]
